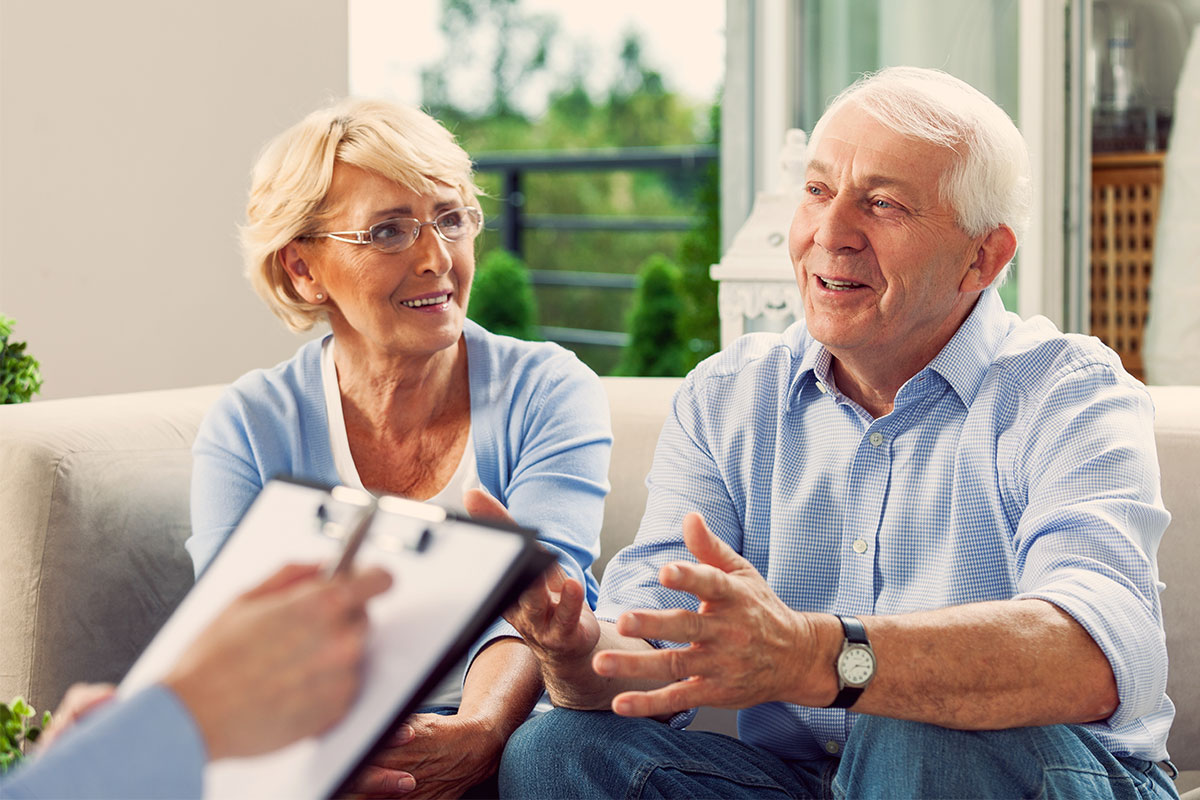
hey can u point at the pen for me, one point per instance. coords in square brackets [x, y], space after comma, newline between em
[354, 540]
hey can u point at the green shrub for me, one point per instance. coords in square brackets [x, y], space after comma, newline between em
[656, 344]
[20, 378]
[17, 725]
[502, 297]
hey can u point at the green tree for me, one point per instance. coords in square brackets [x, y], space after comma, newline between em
[699, 250]
[638, 109]
[515, 52]
[656, 347]
[502, 298]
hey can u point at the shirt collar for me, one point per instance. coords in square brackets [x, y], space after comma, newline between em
[816, 362]
[966, 358]
[962, 363]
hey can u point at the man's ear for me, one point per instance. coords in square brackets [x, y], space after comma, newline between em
[296, 268]
[995, 251]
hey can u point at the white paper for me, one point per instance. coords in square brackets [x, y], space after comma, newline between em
[434, 596]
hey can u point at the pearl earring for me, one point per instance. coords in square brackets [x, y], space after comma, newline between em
[320, 297]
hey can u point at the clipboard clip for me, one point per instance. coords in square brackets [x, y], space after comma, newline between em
[351, 527]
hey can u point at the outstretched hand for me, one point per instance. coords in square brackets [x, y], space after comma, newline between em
[552, 615]
[744, 643]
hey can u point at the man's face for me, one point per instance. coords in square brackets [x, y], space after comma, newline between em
[881, 263]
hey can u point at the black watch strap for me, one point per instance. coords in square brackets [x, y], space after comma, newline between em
[856, 633]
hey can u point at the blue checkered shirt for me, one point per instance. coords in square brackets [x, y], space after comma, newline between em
[1019, 463]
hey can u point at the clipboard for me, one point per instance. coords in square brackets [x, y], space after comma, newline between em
[453, 576]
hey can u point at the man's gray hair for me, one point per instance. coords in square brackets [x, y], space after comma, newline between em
[990, 184]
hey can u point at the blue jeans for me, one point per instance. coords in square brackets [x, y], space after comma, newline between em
[598, 754]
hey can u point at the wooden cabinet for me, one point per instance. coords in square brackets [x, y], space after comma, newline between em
[1125, 195]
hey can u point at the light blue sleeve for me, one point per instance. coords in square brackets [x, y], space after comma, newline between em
[146, 745]
[225, 478]
[559, 454]
[1088, 536]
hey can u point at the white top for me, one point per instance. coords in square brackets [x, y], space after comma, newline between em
[449, 691]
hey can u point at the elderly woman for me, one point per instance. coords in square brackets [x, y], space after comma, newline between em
[364, 215]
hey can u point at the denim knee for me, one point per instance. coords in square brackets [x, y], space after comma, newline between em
[914, 759]
[555, 754]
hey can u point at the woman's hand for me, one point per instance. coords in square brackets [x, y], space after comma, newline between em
[431, 755]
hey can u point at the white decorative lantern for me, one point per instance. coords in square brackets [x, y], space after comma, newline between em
[757, 289]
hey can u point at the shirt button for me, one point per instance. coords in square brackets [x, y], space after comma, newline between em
[860, 546]
[821, 387]
[876, 439]
[832, 747]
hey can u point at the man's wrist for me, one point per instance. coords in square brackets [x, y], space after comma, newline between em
[821, 636]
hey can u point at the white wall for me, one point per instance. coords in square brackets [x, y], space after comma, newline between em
[127, 131]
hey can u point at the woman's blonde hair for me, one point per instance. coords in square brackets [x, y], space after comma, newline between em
[291, 179]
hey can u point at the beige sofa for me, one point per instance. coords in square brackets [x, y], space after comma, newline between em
[94, 498]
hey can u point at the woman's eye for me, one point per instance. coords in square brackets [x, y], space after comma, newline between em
[386, 231]
[451, 220]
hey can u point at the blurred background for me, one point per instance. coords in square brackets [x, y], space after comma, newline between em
[625, 148]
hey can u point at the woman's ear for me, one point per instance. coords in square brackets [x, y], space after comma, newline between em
[995, 251]
[303, 281]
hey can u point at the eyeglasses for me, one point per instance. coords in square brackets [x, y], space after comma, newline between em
[394, 235]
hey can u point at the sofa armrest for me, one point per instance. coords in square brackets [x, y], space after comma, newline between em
[95, 512]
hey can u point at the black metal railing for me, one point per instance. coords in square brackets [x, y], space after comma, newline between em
[513, 221]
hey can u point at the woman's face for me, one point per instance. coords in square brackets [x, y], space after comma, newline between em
[408, 303]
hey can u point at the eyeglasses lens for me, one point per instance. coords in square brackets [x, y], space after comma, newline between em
[393, 235]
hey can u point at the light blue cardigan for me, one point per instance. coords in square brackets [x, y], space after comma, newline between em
[539, 421]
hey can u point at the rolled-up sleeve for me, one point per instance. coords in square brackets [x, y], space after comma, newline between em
[1089, 535]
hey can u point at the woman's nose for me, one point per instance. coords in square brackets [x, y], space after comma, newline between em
[430, 254]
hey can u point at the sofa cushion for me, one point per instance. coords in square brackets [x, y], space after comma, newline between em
[1178, 438]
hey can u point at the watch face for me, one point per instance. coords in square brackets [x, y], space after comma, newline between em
[856, 665]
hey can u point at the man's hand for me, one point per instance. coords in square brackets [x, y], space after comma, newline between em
[746, 645]
[282, 662]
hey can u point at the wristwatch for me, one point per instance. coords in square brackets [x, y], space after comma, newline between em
[855, 665]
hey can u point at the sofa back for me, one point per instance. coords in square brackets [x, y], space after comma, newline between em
[94, 504]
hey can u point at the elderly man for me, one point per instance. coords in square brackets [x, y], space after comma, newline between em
[923, 563]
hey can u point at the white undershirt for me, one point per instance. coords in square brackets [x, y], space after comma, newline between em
[449, 692]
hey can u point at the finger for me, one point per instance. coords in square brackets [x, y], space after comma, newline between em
[707, 548]
[704, 581]
[556, 576]
[536, 602]
[364, 584]
[376, 781]
[672, 625]
[481, 505]
[670, 699]
[570, 604]
[667, 664]
[402, 735]
[285, 576]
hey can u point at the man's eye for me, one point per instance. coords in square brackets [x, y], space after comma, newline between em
[881, 203]
[813, 190]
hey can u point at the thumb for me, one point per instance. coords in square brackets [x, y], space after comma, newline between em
[707, 548]
[481, 505]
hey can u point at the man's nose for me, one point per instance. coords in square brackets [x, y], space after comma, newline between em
[839, 226]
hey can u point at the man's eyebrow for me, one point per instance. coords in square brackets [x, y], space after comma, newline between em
[870, 181]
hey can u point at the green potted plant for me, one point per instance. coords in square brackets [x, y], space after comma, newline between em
[20, 376]
[18, 725]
